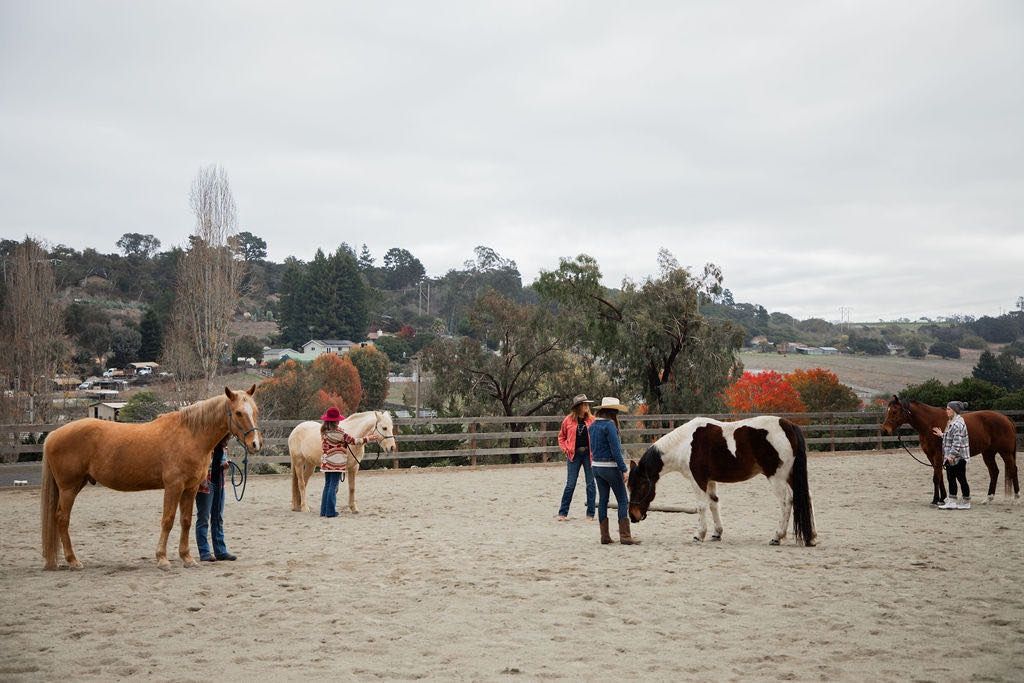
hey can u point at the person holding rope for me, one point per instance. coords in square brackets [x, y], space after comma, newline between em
[210, 508]
[574, 440]
[956, 453]
[335, 444]
[610, 468]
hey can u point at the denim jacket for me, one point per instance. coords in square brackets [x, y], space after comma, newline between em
[605, 445]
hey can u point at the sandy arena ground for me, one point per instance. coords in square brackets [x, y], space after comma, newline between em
[466, 575]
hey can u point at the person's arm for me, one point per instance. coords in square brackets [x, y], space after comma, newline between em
[960, 440]
[563, 438]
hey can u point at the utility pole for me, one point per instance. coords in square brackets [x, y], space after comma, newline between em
[417, 378]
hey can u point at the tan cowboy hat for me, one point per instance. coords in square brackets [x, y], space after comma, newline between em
[611, 403]
[578, 399]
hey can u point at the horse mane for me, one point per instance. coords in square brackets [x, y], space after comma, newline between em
[201, 413]
[651, 463]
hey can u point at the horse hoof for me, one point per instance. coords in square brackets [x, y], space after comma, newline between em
[698, 540]
[189, 564]
[716, 537]
[163, 565]
[74, 565]
[774, 541]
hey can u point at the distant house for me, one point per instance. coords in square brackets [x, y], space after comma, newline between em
[271, 355]
[106, 410]
[895, 349]
[829, 351]
[374, 336]
[142, 368]
[318, 347]
[810, 350]
[66, 383]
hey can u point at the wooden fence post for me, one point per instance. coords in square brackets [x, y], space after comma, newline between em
[544, 442]
[832, 430]
[472, 444]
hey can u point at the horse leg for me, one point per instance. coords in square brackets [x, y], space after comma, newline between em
[713, 497]
[939, 484]
[171, 499]
[64, 504]
[308, 469]
[702, 511]
[993, 474]
[352, 469]
[186, 504]
[784, 493]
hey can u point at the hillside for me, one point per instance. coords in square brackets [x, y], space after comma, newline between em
[870, 375]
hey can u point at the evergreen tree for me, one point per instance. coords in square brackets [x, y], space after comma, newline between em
[1002, 370]
[294, 303]
[152, 333]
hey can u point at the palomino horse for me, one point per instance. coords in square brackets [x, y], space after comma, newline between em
[708, 452]
[989, 433]
[171, 453]
[304, 445]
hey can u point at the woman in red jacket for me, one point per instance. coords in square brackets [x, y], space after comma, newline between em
[574, 440]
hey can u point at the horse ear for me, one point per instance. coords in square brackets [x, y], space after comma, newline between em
[230, 394]
[251, 390]
[632, 465]
[895, 398]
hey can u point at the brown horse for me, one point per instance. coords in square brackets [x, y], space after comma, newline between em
[989, 433]
[171, 453]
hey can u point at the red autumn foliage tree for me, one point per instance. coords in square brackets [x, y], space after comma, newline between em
[305, 391]
[765, 392]
[821, 390]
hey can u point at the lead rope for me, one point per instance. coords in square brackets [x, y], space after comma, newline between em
[239, 475]
[900, 439]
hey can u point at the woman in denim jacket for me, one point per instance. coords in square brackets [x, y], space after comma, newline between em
[610, 468]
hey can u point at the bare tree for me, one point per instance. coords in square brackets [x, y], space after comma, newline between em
[31, 345]
[209, 274]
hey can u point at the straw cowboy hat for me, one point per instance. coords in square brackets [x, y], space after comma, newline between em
[611, 403]
[578, 399]
[332, 415]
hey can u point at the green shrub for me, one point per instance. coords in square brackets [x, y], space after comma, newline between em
[944, 350]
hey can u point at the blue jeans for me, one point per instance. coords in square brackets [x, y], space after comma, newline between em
[210, 515]
[610, 478]
[329, 501]
[572, 474]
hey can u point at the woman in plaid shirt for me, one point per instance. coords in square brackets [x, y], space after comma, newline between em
[956, 452]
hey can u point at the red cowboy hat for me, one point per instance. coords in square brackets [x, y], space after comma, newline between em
[332, 415]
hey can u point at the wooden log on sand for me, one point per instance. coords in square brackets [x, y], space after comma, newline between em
[661, 508]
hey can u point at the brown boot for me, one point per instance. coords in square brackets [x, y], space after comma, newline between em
[606, 537]
[624, 537]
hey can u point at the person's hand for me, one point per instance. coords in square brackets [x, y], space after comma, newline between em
[936, 431]
[625, 477]
[373, 437]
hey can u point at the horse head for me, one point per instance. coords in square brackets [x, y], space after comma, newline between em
[897, 414]
[385, 428]
[243, 418]
[643, 482]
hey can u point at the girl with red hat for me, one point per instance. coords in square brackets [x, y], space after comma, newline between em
[335, 443]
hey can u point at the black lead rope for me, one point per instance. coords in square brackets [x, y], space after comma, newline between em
[239, 475]
[900, 439]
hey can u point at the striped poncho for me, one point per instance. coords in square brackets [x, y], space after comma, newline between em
[335, 445]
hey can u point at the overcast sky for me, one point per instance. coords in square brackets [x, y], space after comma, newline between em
[824, 154]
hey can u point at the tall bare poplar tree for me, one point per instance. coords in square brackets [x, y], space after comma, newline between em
[30, 329]
[209, 274]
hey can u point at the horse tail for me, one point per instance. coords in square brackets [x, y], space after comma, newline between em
[296, 497]
[49, 497]
[803, 514]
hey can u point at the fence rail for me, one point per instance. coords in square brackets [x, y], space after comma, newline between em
[532, 436]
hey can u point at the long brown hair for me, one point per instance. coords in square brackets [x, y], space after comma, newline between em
[609, 414]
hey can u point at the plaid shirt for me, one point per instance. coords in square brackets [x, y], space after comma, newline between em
[956, 445]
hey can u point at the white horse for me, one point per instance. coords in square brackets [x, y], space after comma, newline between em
[305, 448]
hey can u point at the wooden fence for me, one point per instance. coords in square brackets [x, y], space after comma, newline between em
[486, 440]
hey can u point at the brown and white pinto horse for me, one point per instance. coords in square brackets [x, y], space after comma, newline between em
[171, 453]
[708, 452]
[989, 432]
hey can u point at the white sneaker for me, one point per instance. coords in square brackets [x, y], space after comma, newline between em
[950, 504]
[964, 504]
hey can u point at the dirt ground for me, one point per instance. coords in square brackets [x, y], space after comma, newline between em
[465, 574]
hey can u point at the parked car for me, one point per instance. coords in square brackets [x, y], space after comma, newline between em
[85, 385]
[145, 371]
[109, 372]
